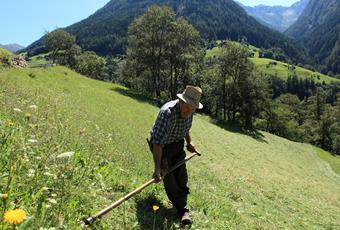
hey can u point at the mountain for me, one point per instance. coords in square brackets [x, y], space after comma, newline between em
[318, 28]
[276, 17]
[105, 32]
[13, 47]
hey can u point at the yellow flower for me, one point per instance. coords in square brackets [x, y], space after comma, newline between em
[4, 196]
[15, 216]
[28, 115]
[155, 208]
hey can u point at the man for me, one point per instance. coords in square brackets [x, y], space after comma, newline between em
[167, 144]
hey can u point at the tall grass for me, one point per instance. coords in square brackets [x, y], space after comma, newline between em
[71, 145]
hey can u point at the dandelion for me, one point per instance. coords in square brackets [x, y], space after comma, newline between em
[155, 208]
[15, 216]
[28, 116]
[65, 155]
[4, 196]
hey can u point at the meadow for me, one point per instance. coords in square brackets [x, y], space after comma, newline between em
[71, 145]
[276, 68]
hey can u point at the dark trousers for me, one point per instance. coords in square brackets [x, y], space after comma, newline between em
[175, 183]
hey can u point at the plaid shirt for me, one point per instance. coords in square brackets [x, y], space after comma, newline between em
[169, 126]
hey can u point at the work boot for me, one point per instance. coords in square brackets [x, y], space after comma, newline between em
[186, 219]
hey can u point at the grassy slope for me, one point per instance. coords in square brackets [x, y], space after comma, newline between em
[280, 69]
[242, 182]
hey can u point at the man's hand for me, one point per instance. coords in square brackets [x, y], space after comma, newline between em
[157, 175]
[191, 148]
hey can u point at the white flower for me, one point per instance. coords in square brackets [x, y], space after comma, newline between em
[17, 110]
[52, 201]
[65, 155]
[49, 174]
[33, 107]
[31, 173]
[32, 141]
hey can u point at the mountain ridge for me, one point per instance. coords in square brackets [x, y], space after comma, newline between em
[105, 31]
[276, 17]
[14, 47]
[318, 29]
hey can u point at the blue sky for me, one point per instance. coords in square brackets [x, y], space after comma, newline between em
[25, 21]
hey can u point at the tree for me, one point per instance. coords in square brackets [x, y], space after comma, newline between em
[243, 92]
[90, 64]
[71, 56]
[161, 50]
[58, 42]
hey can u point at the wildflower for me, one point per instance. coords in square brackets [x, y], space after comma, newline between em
[15, 216]
[155, 208]
[33, 107]
[28, 116]
[32, 141]
[45, 188]
[4, 196]
[31, 173]
[52, 201]
[65, 155]
[17, 110]
[50, 175]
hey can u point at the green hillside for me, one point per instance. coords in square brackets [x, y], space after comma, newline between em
[280, 69]
[241, 181]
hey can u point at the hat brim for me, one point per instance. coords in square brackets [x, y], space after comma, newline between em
[199, 106]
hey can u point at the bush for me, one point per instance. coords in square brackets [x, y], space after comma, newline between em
[5, 57]
[90, 64]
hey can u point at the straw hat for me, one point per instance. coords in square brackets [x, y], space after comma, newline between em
[192, 95]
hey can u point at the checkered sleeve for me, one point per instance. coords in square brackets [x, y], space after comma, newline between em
[160, 129]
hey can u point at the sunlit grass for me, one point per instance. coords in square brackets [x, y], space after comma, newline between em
[333, 160]
[83, 147]
[279, 69]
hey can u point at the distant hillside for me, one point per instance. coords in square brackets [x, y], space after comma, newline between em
[318, 28]
[280, 69]
[105, 32]
[12, 47]
[276, 17]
